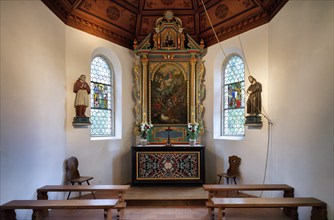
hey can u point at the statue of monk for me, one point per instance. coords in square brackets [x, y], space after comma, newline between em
[254, 102]
[82, 90]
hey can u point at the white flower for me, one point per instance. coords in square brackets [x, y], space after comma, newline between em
[193, 130]
[143, 130]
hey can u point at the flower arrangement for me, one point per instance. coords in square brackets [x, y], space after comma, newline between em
[143, 130]
[193, 130]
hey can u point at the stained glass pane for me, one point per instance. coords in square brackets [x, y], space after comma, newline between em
[102, 118]
[234, 97]
[101, 96]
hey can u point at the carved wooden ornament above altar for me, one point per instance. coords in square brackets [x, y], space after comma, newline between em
[169, 81]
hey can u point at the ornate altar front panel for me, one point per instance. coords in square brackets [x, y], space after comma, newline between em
[168, 165]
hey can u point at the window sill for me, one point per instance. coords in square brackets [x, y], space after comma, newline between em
[104, 138]
[234, 138]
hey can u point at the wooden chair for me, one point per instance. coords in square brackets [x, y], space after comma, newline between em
[232, 171]
[73, 174]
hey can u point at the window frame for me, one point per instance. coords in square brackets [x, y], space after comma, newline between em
[219, 71]
[112, 96]
[113, 61]
[223, 93]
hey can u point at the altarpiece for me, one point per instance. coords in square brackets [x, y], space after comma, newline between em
[169, 91]
[169, 81]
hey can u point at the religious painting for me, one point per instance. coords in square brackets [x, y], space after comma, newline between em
[169, 95]
[169, 39]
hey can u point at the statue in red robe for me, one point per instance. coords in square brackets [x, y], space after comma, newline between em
[82, 90]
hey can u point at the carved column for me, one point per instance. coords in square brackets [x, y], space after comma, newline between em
[144, 96]
[193, 88]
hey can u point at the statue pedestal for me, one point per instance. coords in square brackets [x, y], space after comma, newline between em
[253, 120]
[81, 122]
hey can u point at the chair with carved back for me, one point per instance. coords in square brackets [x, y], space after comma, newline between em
[73, 174]
[233, 170]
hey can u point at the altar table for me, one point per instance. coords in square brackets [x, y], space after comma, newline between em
[176, 165]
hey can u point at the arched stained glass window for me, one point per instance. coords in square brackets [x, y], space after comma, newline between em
[233, 91]
[102, 98]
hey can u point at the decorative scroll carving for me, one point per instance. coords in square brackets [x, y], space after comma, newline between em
[201, 94]
[136, 90]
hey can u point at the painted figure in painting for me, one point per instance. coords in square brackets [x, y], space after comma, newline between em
[169, 42]
[169, 96]
[254, 97]
[82, 90]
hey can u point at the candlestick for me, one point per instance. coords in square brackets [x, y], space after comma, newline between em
[168, 144]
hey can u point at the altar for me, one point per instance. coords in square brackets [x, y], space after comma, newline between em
[176, 165]
[169, 90]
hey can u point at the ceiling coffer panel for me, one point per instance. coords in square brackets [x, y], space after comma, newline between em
[109, 12]
[225, 12]
[123, 21]
[134, 3]
[168, 4]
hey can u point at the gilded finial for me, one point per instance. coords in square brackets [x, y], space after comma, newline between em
[169, 15]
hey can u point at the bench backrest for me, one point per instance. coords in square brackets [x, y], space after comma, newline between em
[72, 168]
[234, 163]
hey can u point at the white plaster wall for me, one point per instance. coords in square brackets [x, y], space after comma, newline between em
[292, 57]
[33, 99]
[301, 99]
[107, 160]
[253, 147]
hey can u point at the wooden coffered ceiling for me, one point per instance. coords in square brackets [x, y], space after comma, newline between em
[122, 21]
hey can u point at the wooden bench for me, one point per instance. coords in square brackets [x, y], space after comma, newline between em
[214, 188]
[42, 193]
[8, 209]
[319, 208]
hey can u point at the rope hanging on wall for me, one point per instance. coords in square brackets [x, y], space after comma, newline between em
[270, 123]
[243, 54]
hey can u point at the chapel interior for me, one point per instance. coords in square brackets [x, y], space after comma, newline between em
[286, 46]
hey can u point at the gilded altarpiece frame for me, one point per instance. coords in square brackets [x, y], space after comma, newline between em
[169, 85]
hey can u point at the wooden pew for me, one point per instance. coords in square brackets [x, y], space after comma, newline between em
[8, 209]
[42, 193]
[319, 208]
[214, 188]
